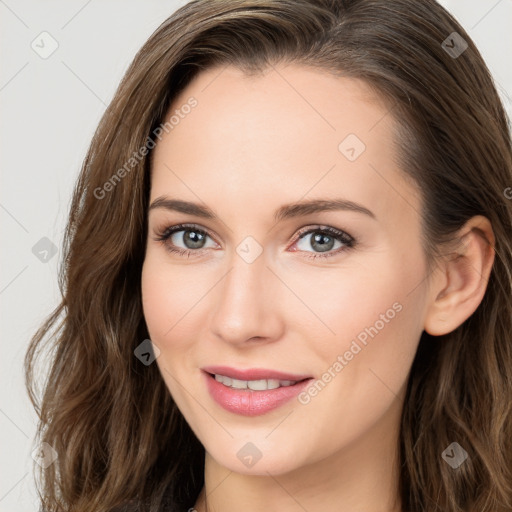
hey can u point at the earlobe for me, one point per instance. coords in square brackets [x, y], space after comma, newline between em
[459, 286]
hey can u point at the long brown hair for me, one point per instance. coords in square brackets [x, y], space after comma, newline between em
[118, 435]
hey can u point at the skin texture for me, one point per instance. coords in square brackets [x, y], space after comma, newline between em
[251, 145]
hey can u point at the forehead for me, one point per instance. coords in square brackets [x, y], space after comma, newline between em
[292, 103]
[277, 137]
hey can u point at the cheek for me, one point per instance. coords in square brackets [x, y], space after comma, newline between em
[370, 316]
[165, 303]
[155, 301]
[363, 366]
[168, 295]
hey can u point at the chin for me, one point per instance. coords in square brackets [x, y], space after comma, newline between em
[257, 458]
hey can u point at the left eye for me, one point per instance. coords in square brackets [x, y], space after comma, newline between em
[323, 240]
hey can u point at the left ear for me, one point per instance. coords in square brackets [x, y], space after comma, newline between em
[459, 287]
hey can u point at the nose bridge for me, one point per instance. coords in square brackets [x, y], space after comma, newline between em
[245, 300]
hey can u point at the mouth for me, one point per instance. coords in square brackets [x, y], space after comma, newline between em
[252, 392]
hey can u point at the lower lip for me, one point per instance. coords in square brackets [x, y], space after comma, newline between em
[248, 402]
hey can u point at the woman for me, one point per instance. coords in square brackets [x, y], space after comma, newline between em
[288, 271]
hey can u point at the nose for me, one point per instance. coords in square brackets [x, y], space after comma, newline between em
[247, 303]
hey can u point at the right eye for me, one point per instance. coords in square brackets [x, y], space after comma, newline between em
[192, 237]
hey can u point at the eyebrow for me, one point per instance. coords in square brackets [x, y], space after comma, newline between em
[286, 211]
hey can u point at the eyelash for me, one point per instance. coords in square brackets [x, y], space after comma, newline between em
[346, 239]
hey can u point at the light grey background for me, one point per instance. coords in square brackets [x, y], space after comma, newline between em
[50, 109]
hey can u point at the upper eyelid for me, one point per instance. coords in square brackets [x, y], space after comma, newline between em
[184, 226]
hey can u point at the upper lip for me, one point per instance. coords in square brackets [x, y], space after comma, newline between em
[253, 373]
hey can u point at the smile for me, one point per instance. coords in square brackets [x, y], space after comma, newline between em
[252, 397]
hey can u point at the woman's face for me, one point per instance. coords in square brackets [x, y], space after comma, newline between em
[344, 307]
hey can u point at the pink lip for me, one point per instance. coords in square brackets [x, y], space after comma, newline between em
[248, 402]
[253, 373]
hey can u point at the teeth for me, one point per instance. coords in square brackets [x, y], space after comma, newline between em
[255, 385]
[238, 384]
